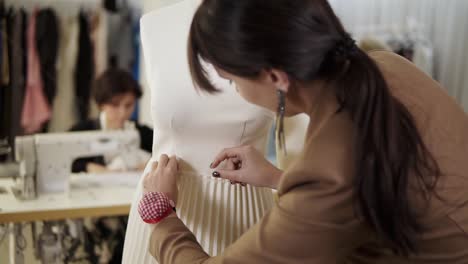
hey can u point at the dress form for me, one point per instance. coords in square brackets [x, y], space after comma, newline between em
[195, 127]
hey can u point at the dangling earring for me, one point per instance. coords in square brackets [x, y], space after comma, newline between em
[280, 121]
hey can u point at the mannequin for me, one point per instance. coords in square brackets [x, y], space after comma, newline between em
[195, 127]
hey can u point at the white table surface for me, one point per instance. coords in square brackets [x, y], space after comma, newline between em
[89, 196]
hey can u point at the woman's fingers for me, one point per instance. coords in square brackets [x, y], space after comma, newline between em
[172, 163]
[154, 166]
[230, 165]
[226, 154]
[163, 160]
[233, 175]
[162, 177]
[235, 160]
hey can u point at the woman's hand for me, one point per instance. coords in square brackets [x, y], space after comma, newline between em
[250, 167]
[141, 167]
[163, 177]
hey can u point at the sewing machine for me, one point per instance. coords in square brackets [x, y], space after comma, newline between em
[42, 188]
[44, 161]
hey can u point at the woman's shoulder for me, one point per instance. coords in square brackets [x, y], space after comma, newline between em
[327, 157]
[389, 57]
[384, 54]
[318, 186]
[399, 70]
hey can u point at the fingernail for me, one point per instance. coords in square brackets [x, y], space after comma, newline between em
[216, 174]
[232, 182]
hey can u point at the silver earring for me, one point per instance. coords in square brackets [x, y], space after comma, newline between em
[280, 121]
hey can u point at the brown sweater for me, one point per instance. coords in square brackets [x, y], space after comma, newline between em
[315, 222]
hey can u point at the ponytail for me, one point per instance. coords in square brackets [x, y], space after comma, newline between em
[389, 153]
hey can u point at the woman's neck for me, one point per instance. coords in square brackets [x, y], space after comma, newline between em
[110, 126]
[305, 98]
[105, 124]
[316, 99]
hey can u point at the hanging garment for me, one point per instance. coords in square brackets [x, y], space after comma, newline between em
[84, 72]
[99, 33]
[9, 18]
[5, 54]
[120, 39]
[47, 47]
[99, 40]
[111, 5]
[136, 64]
[136, 50]
[2, 21]
[17, 69]
[5, 92]
[36, 111]
[24, 48]
[64, 111]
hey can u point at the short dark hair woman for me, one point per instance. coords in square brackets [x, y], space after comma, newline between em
[116, 93]
[383, 175]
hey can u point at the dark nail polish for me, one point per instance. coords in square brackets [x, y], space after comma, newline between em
[216, 174]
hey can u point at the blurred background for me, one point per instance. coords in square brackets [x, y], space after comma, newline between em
[78, 39]
[51, 51]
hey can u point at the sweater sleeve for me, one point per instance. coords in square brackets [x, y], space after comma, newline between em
[308, 225]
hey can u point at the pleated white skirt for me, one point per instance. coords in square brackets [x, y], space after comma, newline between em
[217, 212]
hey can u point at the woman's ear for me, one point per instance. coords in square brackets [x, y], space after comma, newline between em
[279, 79]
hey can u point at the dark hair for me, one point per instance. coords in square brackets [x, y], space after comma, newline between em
[114, 82]
[300, 37]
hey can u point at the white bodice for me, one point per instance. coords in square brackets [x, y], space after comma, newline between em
[193, 125]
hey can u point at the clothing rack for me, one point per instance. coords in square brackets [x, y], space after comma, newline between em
[75, 41]
[62, 6]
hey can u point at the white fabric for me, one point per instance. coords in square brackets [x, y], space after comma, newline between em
[195, 127]
[444, 22]
[128, 160]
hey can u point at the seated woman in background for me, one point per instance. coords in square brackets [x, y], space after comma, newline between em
[116, 93]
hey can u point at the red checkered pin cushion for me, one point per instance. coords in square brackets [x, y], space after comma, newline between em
[154, 207]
